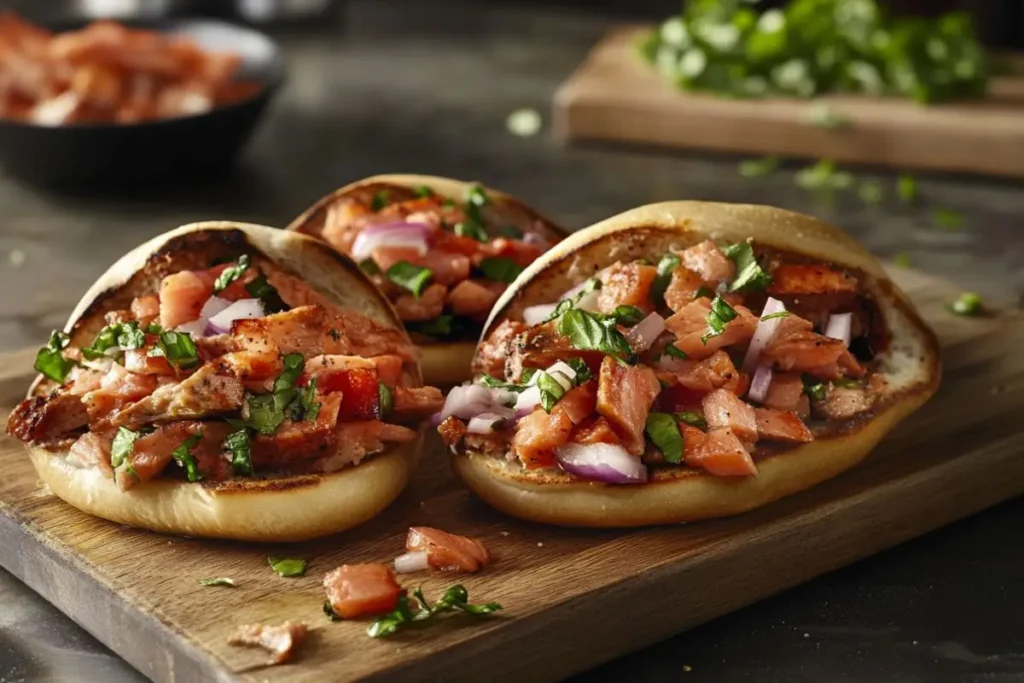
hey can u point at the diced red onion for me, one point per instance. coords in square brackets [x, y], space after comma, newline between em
[527, 401]
[485, 423]
[212, 307]
[759, 383]
[763, 333]
[604, 462]
[643, 334]
[194, 328]
[411, 562]
[243, 309]
[534, 315]
[390, 234]
[840, 326]
[469, 400]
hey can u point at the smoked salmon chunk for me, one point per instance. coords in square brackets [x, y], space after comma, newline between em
[447, 552]
[356, 590]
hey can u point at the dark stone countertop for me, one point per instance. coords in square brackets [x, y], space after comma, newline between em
[403, 87]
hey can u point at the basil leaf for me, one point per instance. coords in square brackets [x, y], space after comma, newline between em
[589, 333]
[749, 274]
[238, 444]
[287, 567]
[500, 269]
[49, 359]
[511, 232]
[219, 581]
[123, 445]
[307, 400]
[379, 201]
[293, 364]
[580, 367]
[814, 388]
[386, 399]
[662, 430]
[676, 352]
[550, 390]
[771, 316]
[906, 187]
[231, 274]
[968, 304]
[411, 277]
[704, 293]
[261, 289]
[183, 456]
[666, 266]
[127, 335]
[692, 419]
[628, 316]
[471, 229]
[266, 412]
[563, 306]
[369, 266]
[422, 191]
[757, 168]
[330, 613]
[178, 348]
[455, 598]
[721, 313]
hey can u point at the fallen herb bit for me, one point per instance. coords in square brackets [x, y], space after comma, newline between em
[523, 122]
[417, 608]
[907, 188]
[946, 219]
[286, 566]
[330, 613]
[870, 191]
[757, 168]
[824, 175]
[901, 260]
[218, 581]
[16, 257]
[823, 116]
[969, 303]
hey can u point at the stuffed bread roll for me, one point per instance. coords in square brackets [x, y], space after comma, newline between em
[682, 361]
[441, 250]
[232, 381]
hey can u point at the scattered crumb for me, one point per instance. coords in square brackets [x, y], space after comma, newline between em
[687, 668]
[504, 533]
[807, 635]
[914, 642]
[998, 389]
[523, 122]
[540, 545]
[280, 641]
[16, 257]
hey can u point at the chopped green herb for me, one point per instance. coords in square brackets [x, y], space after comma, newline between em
[123, 445]
[219, 581]
[287, 567]
[591, 332]
[527, 374]
[551, 390]
[772, 316]
[154, 328]
[49, 359]
[823, 116]
[968, 304]
[183, 456]
[692, 419]
[823, 175]
[847, 383]
[476, 200]
[664, 433]
[388, 624]
[511, 231]
[757, 168]
[411, 277]
[308, 407]
[947, 219]
[386, 399]
[906, 187]
[704, 293]
[720, 315]
[369, 266]
[870, 191]
[471, 229]
[444, 326]
[231, 274]
[902, 260]
[676, 352]
[666, 265]
[266, 412]
[261, 288]
[455, 598]
[563, 306]
[178, 348]
[423, 191]
[330, 613]
[749, 273]
[127, 335]
[237, 443]
[495, 383]
[814, 388]
[581, 369]
[523, 122]
[380, 200]
[500, 269]
[628, 315]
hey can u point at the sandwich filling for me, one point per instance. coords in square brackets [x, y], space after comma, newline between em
[443, 263]
[709, 358]
[238, 370]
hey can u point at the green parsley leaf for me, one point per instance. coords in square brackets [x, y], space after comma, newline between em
[500, 269]
[676, 352]
[813, 387]
[309, 407]
[122, 446]
[823, 175]
[49, 359]
[183, 456]
[870, 191]
[287, 567]
[664, 433]
[550, 389]
[968, 304]
[749, 273]
[906, 187]
[581, 369]
[476, 200]
[666, 265]
[423, 191]
[219, 581]
[386, 399]
[330, 613]
[261, 289]
[178, 348]
[293, 363]
[495, 383]
[511, 231]
[369, 266]
[231, 274]
[628, 316]
[266, 412]
[721, 313]
[411, 277]
[902, 260]
[692, 419]
[780, 314]
[388, 624]
[238, 444]
[455, 598]
[380, 200]
[588, 332]
[471, 229]
[947, 219]
[757, 168]
[126, 335]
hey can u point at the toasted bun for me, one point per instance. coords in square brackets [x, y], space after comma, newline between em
[286, 508]
[443, 363]
[910, 365]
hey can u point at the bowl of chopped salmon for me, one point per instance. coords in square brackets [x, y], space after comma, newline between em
[108, 104]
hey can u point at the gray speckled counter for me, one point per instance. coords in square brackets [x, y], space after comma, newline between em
[401, 87]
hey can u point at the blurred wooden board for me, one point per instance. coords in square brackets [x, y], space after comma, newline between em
[606, 592]
[615, 96]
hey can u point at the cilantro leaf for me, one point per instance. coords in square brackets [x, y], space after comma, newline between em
[471, 229]
[500, 269]
[127, 335]
[411, 277]
[628, 315]
[476, 200]
[422, 191]
[386, 399]
[692, 419]
[238, 444]
[676, 352]
[749, 274]
[968, 304]
[379, 201]
[721, 314]
[666, 266]
[813, 387]
[455, 598]
[231, 274]
[287, 567]
[178, 348]
[662, 430]
[49, 359]
[183, 456]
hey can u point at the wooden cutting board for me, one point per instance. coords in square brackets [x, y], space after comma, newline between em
[615, 96]
[605, 592]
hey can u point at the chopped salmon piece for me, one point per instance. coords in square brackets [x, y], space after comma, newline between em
[356, 440]
[683, 287]
[203, 394]
[794, 347]
[778, 425]
[118, 388]
[257, 369]
[785, 391]
[448, 267]
[387, 256]
[538, 435]
[492, 352]
[693, 442]
[452, 431]
[151, 453]
[427, 306]
[626, 284]
[140, 362]
[708, 261]
[690, 325]
[790, 278]
[415, 403]
[580, 402]
[92, 450]
[447, 552]
[677, 399]
[625, 395]
[280, 641]
[146, 309]
[723, 454]
[182, 296]
[301, 440]
[842, 403]
[459, 244]
[595, 430]
[521, 252]
[472, 299]
[714, 372]
[356, 590]
[723, 409]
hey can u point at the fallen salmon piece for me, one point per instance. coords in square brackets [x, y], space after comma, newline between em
[447, 552]
[280, 641]
[356, 590]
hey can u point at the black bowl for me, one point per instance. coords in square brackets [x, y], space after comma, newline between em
[117, 155]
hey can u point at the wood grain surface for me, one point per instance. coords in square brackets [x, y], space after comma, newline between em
[573, 598]
[615, 96]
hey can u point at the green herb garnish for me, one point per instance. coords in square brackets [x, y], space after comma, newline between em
[947, 219]
[500, 269]
[693, 419]
[287, 567]
[422, 191]
[704, 293]
[749, 274]
[823, 116]
[261, 289]
[266, 412]
[471, 229]
[386, 399]
[455, 598]
[476, 200]
[814, 388]
[664, 433]
[183, 456]
[127, 335]
[676, 352]
[380, 200]
[771, 316]
[666, 266]
[594, 332]
[628, 316]
[968, 304]
[237, 443]
[123, 445]
[219, 581]
[330, 613]
[870, 191]
[411, 277]
[231, 274]
[551, 390]
[906, 187]
[369, 266]
[581, 369]
[49, 359]
[847, 383]
[178, 348]
[823, 175]
[757, 168]
[721, 314]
